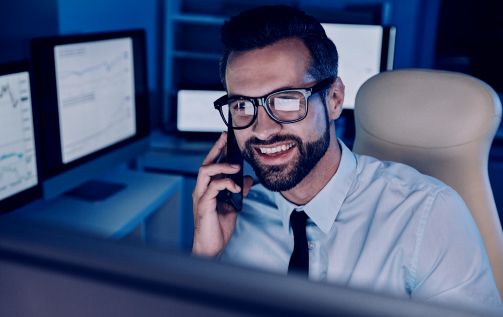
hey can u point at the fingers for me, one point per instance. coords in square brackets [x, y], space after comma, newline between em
[212, 230]
[218, 185]
[215, 151]
[204, 178]
[208, 202]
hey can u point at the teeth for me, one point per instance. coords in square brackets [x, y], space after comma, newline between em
[280, 148]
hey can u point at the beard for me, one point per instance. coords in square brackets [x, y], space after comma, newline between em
[278, 178]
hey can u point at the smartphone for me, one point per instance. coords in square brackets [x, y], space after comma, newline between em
[233, 157]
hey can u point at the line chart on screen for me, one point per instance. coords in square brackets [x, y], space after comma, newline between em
[18, 170]
[95, 90]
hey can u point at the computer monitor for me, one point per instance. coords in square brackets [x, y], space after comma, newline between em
[195, 111]
[51, 272]
[19, 183]
[364, 51]
[91, 93]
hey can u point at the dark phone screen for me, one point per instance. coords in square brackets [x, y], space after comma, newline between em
[234, 157]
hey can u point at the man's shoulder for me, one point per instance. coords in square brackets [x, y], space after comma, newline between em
[370, 170]
[394, 187]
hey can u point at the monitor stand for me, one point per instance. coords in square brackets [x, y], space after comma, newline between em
[94, 190]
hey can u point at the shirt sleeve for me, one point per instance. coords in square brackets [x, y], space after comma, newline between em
[451, 265]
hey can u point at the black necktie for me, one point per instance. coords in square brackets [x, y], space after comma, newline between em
[299, 261]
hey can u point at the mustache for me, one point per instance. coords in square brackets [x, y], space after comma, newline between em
[276, 139]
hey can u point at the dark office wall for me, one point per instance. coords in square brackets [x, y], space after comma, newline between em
[22, 20]
[470, 39]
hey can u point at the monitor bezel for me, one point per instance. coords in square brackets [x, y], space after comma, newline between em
[42, 50]
[388, 48]
[30, 194]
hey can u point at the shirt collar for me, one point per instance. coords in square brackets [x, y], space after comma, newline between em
[324, 207]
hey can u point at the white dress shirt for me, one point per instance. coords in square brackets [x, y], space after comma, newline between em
[378, 226]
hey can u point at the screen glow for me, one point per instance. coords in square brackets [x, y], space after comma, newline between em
[359, 48]
[196, 112]
[96, 97]
[18, 166]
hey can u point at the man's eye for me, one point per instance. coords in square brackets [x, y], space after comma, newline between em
[242, 108]
[238, 105]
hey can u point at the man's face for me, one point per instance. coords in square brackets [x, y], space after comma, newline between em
[280, 154]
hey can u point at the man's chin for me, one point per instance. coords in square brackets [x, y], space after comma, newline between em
[277, 178]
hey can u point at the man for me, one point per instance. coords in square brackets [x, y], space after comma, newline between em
[320, 209]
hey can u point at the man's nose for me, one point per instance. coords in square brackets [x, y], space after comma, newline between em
[265, 127]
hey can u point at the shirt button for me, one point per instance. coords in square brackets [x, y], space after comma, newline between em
[311, 245]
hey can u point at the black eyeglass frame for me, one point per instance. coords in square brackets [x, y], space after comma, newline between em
[262, 101]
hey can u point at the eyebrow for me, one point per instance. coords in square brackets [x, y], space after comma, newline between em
[280, 89]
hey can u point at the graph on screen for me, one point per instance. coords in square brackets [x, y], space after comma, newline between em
[96, 98]
[18, 167]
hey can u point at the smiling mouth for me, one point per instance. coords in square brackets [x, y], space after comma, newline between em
[274, 151]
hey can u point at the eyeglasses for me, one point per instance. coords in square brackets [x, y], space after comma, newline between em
[284, 106]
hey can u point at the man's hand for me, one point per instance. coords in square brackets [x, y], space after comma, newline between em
[214, 220]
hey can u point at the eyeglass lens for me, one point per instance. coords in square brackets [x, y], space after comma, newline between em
[284, 106]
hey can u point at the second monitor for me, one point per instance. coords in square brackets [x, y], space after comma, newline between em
[91, 94]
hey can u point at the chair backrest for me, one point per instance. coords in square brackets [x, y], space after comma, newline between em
[442, 124]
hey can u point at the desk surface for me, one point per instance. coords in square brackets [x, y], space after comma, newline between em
[113, 217]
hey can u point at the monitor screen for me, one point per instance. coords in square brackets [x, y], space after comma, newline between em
[95, 86]
[196, 113]
[91, 92]
[364, 51]
[18, 162]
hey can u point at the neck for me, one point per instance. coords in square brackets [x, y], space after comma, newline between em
[321, 174]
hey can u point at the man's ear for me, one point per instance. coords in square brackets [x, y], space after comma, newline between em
[335, 99]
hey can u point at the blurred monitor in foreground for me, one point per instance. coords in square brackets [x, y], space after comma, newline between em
[46, 272]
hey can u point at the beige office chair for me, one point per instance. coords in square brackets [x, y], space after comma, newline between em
[442, 124]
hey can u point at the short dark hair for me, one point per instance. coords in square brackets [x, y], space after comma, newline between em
[263, 26]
